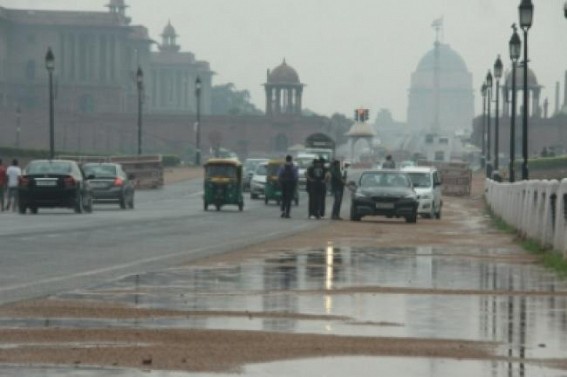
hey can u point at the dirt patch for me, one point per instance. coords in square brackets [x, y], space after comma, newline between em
[180, 174]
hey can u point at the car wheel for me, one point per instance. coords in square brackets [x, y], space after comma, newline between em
[33, 210]
[253, 196]
[22, 208]
[79, 203]
[122, 202]
[131, 202]
[412, 219]
[240, 206]
[88, 204]
[438, 214]
[205, 206]
[218, 207]
[265, 199]
[353, 215]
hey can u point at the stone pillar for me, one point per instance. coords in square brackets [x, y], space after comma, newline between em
[289, 108]
[536, 111]
[278, 108]
[299, 94]
[268, 100]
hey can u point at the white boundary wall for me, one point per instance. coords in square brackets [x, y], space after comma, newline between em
[537, 209]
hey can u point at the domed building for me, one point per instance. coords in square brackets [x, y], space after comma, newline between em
[534, 89]
[284, 91]
[441, 94]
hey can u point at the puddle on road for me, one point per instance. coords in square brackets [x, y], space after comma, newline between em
[328, 367]
[307, 281]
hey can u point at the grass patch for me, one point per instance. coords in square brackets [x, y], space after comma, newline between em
[548, 258]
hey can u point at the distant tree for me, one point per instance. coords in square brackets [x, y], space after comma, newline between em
[227, 100]
[340, 125]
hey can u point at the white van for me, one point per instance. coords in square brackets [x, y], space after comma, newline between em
[427, 184]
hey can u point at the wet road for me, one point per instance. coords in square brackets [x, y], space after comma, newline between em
[57, 250]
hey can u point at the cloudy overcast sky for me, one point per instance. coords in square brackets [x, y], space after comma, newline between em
[349, 53]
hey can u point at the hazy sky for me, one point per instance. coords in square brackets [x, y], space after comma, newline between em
[349, 53]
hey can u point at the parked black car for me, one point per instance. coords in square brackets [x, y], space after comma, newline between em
[110, 184]
[384, 193]
[54, 183]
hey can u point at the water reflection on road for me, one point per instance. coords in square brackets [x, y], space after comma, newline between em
[484, 295]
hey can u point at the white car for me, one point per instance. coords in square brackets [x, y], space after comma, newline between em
[427, 184]
[258, 181]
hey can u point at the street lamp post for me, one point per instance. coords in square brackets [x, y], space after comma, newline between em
[498, 67]
[483, 90]
[488, 125]
[515, 46]
[198, 87]
[18, 120]
[140, 86]
[526, 10]
[50, 66]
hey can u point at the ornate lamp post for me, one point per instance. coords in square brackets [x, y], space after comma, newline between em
[198, 87]
[50, 66]
[488, 127]
[140, 86]
[498, 67]
[483, 133]
[515, 46]
[526, 10]
[18, 120]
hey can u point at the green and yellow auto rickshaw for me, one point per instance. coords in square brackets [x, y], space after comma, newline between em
[223, 184]
[273, 189]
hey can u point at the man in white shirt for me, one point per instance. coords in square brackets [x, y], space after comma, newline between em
[13, 173]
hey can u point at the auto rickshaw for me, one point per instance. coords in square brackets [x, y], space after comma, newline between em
[223, 184]
[273, 189]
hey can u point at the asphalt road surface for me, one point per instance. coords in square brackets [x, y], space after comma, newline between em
[57, 250]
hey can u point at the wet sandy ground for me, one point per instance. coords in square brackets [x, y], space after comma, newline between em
[434, 299]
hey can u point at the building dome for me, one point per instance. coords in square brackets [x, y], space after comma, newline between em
[283, 74]
[361, 129]
[449, 60]
[169, 30]
[532, 79]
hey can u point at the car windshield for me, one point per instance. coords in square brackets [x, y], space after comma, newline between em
[304, 163]
[420, 179]
[226, 171]
[380, 179]
[48, 167]
[250, 165]
[99, 171]
[261, 170]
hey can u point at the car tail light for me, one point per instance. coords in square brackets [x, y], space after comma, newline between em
[69, 182]
[24, 182]
[118, 181]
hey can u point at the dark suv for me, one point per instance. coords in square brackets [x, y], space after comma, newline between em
[53, 183]
[110, 184]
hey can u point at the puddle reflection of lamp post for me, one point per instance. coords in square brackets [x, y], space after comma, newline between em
[498, 67]
[18, 120]
[140, 86]
[198, 86]
[50, 66]
[488, 125]
[526, 10]
[515, 46]
[483, 132]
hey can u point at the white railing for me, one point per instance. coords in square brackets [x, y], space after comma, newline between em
[537, 209]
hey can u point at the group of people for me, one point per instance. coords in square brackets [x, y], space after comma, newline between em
[9, 179]
[317, 178]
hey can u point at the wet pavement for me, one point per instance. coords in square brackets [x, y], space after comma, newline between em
[427, 293]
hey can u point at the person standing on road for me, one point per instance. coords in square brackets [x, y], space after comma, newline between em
[316, 180]
[13, 173]
[338, 182]
[3, 181]
[389, 163]
[287, 177]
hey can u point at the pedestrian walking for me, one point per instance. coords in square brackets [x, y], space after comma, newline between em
[316, 176]
[389, 163]
[3, 182]
[287, 177]
[338, 182]
[13, 174]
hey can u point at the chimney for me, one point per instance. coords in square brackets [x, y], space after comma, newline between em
[557, 97]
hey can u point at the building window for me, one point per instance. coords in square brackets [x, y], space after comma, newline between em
[30, 70]
[439, 156]
[86, 104]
